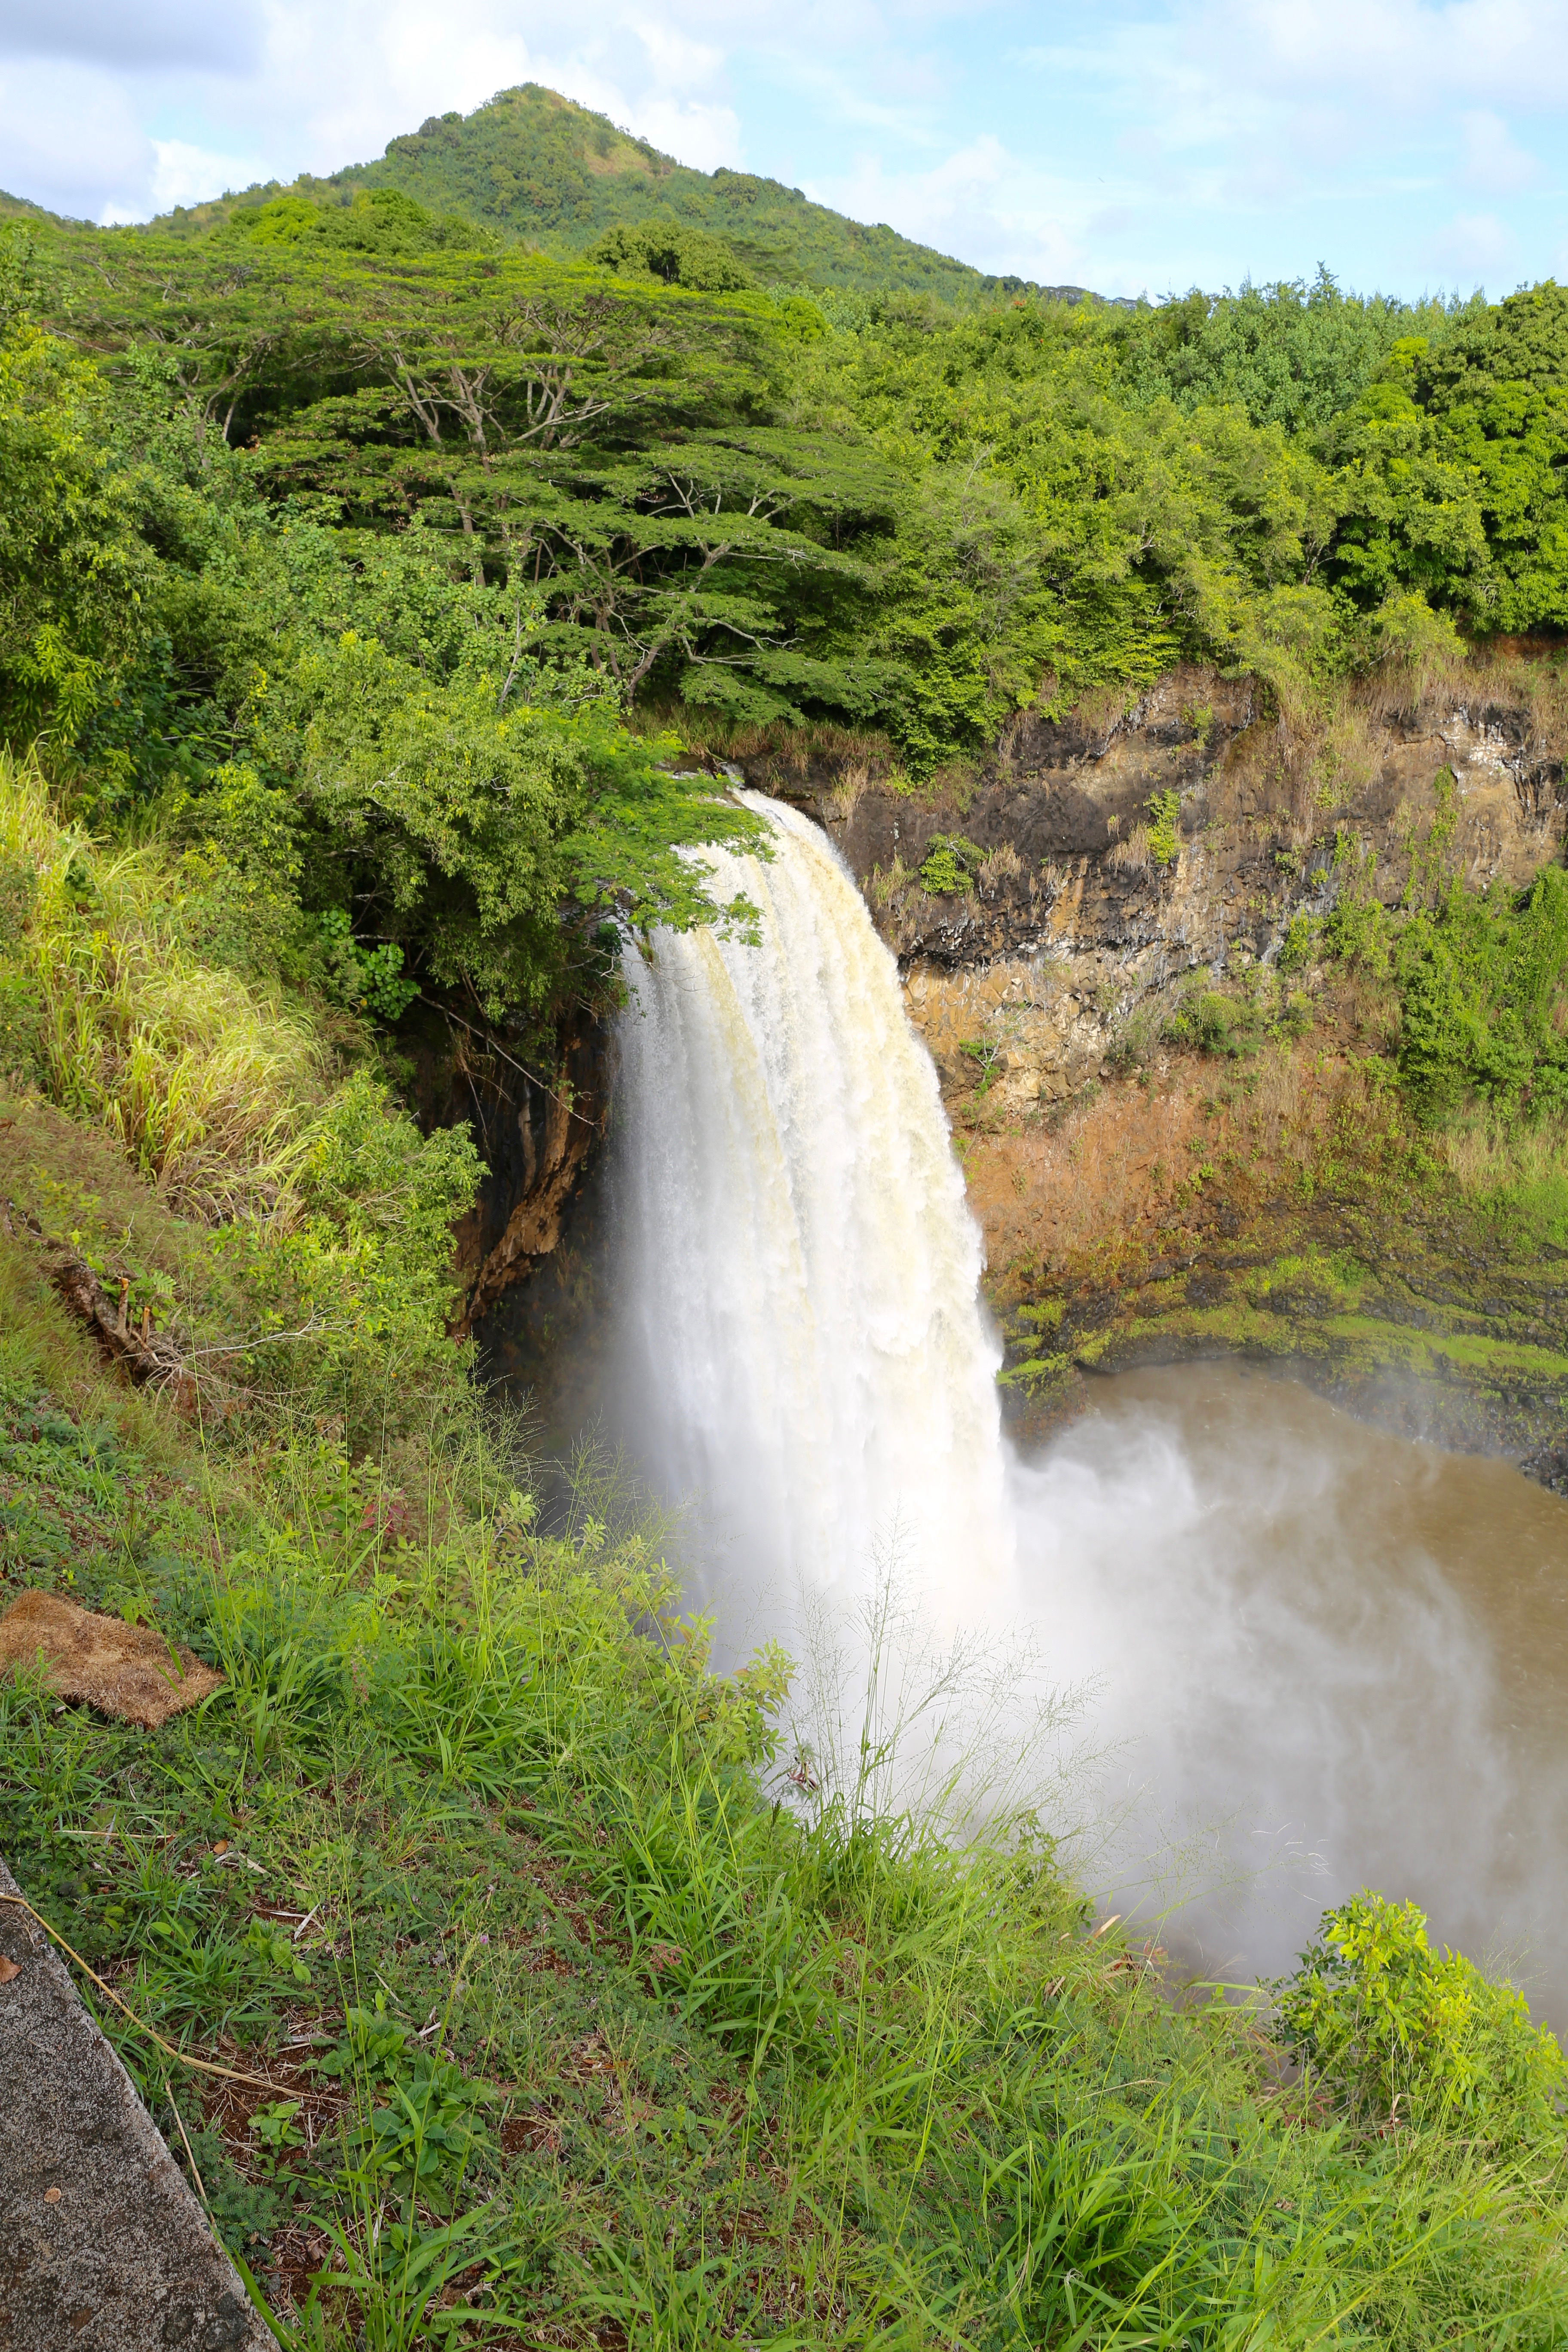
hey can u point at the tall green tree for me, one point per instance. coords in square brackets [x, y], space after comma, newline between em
[1453, 468]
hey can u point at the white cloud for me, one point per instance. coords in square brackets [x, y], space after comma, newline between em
[52, 114]
[184, 174]
[1361, 114]
[1493, 165]
[1330, 80]
[1473, 246]
[1000, 212]
[1383, 57]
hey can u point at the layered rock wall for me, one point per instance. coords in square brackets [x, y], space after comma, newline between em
[1140, 1200]
[1074, 922]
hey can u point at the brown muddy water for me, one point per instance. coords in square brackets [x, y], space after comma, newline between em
[1326, 1658]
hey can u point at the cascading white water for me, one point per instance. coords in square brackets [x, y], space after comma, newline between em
[803, 1343]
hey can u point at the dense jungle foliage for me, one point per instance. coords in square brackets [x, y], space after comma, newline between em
[372, 556]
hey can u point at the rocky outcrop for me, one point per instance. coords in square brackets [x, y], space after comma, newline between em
[1140, 1202]
[103, 2245]
[1143, 1202]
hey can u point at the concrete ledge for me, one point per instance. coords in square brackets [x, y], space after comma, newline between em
[103, 2247]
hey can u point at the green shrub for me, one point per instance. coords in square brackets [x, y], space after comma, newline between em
[1164, 813]
[367, 979]
[1300, 944]
[1483, 995]
[986, 1055]
[1357, 929]
[1407, 2036]
[948, 866]
[675, 251]
[1212, 1023]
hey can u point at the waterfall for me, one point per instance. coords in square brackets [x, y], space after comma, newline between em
[803, 1343]
[1269, 1635]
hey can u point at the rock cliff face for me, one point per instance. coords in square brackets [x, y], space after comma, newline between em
[1141, 1201]
[537, 1129]
[1070, 913]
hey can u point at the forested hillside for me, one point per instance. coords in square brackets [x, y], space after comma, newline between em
[533, 167]
[615, 497]
[405, 581]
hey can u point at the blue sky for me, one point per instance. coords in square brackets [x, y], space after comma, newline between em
[1140, 145]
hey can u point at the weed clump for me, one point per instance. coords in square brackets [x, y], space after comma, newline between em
[1164, 841]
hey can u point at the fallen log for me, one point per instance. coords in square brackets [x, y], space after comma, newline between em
[151, 1357]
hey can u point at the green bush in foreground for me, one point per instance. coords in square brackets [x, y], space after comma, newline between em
[1406, 2035]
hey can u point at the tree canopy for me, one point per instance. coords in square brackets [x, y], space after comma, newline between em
[415, 535]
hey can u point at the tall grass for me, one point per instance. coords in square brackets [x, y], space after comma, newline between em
[1517, 1172]
[654, 2046]
[296, 1224]
[206, 1081]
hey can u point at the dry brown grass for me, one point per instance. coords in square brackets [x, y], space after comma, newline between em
[1001, 865]
[1344, 754]
[1436, 675]
[1102, 710]
[844, 799]
[1130, 853]
[1489, 1155]
[127, 1671]
[784, 751]
[1116, 1170]
[1536, 692]
[1501, 682]
[955, 782]
[886, 882]
[1322, 750]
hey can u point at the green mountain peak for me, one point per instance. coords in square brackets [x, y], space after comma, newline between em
[535, 168]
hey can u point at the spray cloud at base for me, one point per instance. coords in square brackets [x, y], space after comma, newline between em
[1292, 1664]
